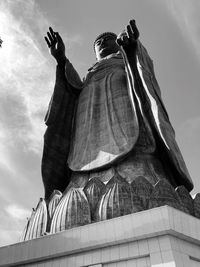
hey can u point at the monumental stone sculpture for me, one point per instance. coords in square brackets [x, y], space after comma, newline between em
[115, 117]
[109, 146]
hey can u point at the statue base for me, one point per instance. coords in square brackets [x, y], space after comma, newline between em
[157, 237]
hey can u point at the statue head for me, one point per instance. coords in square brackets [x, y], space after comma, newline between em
[105, 44]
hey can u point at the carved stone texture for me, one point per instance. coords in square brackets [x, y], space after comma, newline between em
[78, 180]
[164, 194]
[116, 200]
[53, 202]
[142, 188]
[196, 203]
[136, 202]
[93, 190]
[186, 199]
[23, 236]
[38, 221]
[73, 210]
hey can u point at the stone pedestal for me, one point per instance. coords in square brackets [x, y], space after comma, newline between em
[158, 237]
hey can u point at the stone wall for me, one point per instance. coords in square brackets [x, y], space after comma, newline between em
[161, 236]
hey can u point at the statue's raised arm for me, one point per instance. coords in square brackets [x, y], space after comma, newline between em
[56, 46]
[129, 39]
[59, 117]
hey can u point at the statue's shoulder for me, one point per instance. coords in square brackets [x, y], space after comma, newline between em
[103, 67]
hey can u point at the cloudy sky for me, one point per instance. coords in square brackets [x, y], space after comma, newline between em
[170, 30]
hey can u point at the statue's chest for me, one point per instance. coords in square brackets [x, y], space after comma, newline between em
[104, 84]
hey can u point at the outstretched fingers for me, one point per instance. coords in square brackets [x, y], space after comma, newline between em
[125, 39]
[128, 38]
[58, 37]
[122, 39]
[134, 29]
[129, 32]
[47, 41]
[50, 38]
[52, 33]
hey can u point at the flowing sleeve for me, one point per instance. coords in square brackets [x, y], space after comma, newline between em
[59, 121]
[147, 67]
[68, 83]
[153, 107]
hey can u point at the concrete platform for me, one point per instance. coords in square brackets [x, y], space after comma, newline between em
[158, 237]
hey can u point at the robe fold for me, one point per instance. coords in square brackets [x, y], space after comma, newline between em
[59, 120]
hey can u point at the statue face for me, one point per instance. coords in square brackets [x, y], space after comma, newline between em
[105, 46]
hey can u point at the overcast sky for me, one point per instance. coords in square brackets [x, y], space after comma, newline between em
[169, 29]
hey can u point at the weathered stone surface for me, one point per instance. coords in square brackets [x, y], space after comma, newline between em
[37, 224]
[78, 180]
[111, 125]
[53, 202]
[142, 188]
[196, 203]
[164, 194]
[136, 202]
[23, 236]
[73, 210]
[93, 190]
[186, 199]
[116, 200]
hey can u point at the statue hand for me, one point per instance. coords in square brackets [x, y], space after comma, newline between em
[128, 39]
[56, 45]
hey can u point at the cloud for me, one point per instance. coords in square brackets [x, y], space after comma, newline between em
[26, 82]
[26, 76]
[186, 14]
[9, 237]
[13, 220]
[17, 212]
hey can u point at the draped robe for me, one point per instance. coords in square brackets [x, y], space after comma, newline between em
[106, 126]
[90, 129]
